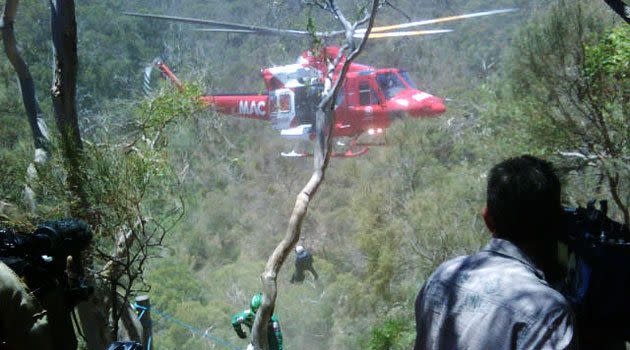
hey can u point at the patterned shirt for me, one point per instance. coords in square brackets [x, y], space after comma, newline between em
[494, 299]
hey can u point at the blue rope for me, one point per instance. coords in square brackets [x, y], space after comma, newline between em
[141, 313]
[192, 329]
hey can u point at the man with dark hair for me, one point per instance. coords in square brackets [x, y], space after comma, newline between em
[501, 297]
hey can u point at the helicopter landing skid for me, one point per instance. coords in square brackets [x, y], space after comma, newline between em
[371, 144]
[294, 154]
[347, 154]
[350, 153]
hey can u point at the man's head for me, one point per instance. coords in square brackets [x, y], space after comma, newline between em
[523, 200]
[299, 249]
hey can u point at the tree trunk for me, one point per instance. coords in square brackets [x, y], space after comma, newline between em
[64, 35]
[93, 313]
[323, 148]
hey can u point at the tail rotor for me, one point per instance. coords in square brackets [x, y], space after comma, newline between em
[146, 76]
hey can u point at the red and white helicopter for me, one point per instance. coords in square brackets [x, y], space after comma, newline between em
[369, 99]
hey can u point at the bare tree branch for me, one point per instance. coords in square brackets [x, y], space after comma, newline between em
[397, 9]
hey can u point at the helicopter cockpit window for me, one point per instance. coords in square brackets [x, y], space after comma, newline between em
[390, 84]
[295, 75]
[367, 95]
[405, 75]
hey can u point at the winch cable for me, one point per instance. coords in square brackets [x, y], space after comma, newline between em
[183, 324]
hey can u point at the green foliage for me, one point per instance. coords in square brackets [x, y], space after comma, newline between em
[609, 60]
[316, 42]
[168, 106]
[173, 285]
[391, 335]
[607, 71]
[15, 149]
[129, 181]
[550, 78]
[565, 95]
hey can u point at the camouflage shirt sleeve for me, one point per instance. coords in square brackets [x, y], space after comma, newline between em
[237, 321]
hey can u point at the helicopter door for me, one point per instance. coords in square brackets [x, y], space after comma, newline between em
[367, 110]
[341, 106]
[282, 108]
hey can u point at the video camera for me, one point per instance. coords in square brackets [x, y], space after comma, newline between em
[598, 278]
[40, 258]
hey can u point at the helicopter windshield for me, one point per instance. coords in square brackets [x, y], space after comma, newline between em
[390, 84]
[408, 80]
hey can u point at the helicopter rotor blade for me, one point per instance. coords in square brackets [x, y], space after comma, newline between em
[223, 30]
[438, 20]
[229, 27]
[377, 32]
[276, 32]
[402, 33]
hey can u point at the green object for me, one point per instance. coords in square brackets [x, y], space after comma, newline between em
[247, 317]
[256, 302]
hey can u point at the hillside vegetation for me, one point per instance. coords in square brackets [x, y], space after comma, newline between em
[381, 222]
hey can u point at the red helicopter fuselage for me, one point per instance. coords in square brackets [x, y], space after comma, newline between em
[367, 103]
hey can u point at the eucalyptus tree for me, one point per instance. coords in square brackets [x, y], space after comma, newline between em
[333, 80]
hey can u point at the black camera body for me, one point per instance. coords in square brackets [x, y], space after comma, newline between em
[40, 258]
[598, 278]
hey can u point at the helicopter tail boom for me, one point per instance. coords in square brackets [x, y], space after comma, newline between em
[242, 106]
[167, 72]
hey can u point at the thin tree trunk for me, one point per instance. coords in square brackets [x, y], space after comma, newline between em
[64, 34]
[27, 86]
[29, 98]
[323, 148]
